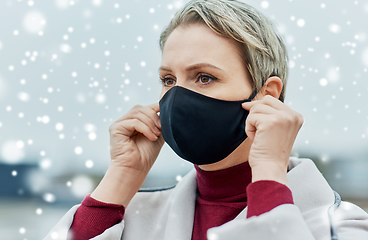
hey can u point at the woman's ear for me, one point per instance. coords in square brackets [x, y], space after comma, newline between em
[272, 86]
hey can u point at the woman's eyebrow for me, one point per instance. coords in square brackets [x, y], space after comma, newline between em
[192, 67]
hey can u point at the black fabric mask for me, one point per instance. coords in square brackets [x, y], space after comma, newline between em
[201, 129]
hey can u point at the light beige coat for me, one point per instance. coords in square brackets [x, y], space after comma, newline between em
[317, 214]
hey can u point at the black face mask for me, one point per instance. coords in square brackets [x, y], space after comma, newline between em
[201, 129]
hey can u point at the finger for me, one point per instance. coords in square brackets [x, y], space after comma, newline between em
[262, 108]
[151, 111]
[273, 102]
[250, 127]
[267, 100]
[259, 107]
[147, 110]
[155, 107]
[252, 124]
[131, 126]
[249, 105]
[152, 114]
[141, 116]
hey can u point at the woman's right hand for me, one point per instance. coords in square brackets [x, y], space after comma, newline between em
[135, 142]
[136, 139]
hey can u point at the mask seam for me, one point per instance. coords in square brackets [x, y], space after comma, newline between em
[171, 124]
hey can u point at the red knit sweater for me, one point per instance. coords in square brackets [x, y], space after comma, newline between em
[221, 196]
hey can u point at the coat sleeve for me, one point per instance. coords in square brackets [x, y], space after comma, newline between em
[286, 222]
[60, 230]
[351, 222]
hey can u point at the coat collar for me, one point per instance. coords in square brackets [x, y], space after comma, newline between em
[308, 186]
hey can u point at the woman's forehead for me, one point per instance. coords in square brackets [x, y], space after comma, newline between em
[198, 43]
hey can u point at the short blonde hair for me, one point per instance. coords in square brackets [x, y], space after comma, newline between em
[263, 49]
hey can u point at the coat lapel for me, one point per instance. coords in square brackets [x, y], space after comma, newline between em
[181, 210]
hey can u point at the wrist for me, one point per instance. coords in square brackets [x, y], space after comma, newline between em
[119, 185]
[271, 172]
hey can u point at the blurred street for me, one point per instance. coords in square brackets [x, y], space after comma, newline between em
[28, 220]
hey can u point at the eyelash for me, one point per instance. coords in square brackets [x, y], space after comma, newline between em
[162, 80]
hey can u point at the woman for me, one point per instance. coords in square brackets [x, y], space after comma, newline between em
[223, 72]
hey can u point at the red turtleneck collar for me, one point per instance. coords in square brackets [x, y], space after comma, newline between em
[223, 184]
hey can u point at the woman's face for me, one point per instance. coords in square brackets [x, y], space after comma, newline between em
[196, 58]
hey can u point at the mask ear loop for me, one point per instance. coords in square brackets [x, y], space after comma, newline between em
[254, 93]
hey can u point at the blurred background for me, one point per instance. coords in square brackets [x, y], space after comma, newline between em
[70, 68]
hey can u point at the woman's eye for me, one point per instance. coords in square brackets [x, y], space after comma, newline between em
[205, 79]
[168, 81]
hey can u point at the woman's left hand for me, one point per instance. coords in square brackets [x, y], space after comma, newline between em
[272, 127]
